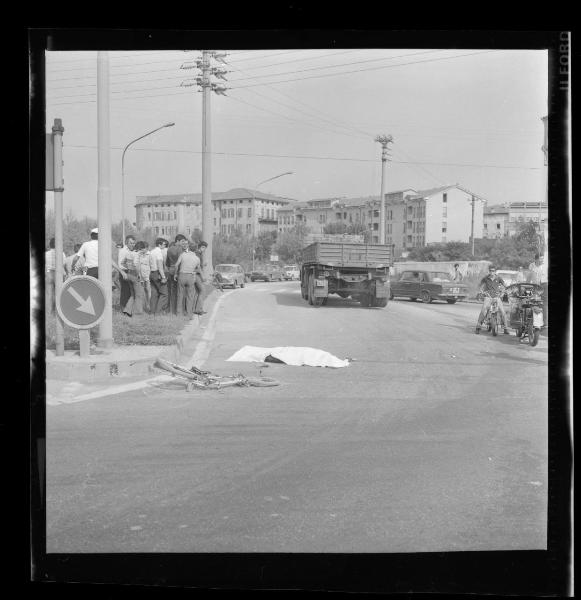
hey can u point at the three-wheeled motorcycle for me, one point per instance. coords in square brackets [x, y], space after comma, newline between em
[526, 311]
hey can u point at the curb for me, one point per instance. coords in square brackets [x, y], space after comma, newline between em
[99, 369]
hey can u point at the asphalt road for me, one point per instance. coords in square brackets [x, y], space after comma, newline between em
[432, 439]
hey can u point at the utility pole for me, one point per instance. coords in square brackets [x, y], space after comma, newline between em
[104, 197]
[207, 86]
[545, 149]
[384, 140]
[472, 225]
[57, 141]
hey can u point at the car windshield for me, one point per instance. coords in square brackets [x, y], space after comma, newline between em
[439, 276]
[225, 268]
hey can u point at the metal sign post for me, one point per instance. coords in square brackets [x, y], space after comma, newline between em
[81, 304]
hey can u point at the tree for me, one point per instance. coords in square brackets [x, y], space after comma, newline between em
[336, 227]
[289, 244]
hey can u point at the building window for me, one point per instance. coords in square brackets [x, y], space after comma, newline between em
[175, 214]
[445, 211]
[188, 230]
[250, 212]
[443, 229]
[149, 216]
[248, 228]
[485, 225]
[239, 213]
[214, 221]
[444, 197]
[498, 226]
[376, 213]
[375, 226]
[224, 229]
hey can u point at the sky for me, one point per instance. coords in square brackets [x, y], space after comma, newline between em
[471, 117]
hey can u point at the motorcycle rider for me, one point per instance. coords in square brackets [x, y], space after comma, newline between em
[493, 286]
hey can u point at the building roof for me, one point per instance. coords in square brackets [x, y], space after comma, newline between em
[433, 191]
[233, 194]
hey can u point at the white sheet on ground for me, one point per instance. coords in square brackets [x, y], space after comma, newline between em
[290, 355]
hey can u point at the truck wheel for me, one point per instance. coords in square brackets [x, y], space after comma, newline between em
[451, 301]
[365, 300]
[391, 296]
[413, 299]
[380, 302]
[426, 298]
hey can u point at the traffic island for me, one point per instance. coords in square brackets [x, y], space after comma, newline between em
[126, 360]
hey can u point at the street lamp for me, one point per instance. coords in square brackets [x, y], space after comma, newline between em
[123, 175]
[254, 194]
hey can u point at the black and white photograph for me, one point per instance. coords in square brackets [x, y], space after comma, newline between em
[296, 299]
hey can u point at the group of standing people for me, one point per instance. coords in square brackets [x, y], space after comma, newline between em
[167, 279]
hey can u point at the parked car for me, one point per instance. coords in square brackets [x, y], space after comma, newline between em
[269, 273]
[291, 272]
[231, 275]
[428, 286]
[509, 277]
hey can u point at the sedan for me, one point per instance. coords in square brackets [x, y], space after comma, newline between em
[428, 286]
[267, 274]
[229, 274]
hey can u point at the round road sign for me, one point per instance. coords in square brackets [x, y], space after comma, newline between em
[81, 303]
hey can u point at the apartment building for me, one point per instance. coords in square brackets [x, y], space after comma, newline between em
[504, 219]
[247, 211]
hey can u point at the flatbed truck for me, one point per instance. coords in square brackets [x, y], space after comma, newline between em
[359, 271]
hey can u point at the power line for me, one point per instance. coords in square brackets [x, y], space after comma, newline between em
[312, 157]
[357, 62]
[361, 70]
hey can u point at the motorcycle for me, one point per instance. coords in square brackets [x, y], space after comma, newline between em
[493, 319]
[526, 317]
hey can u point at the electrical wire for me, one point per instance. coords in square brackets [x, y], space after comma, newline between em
[312, 157]
[362, 70]
[357, 62]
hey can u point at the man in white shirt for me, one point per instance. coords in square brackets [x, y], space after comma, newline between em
[538, 275]
[50, 266]
[158, 279]
[70, 262]
[124, 253]
[89, 252]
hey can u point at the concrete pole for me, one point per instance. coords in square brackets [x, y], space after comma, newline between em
[384, 140]
[207, 213]
[57, 138]
[104, 197]
[472, 226]
[382, 208]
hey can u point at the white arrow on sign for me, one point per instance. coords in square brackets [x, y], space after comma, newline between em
[85, 306]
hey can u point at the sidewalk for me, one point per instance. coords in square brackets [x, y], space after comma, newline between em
[70, 375]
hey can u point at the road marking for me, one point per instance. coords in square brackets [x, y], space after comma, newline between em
[199, 356]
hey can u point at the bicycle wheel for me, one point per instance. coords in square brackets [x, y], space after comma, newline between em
[261, 381]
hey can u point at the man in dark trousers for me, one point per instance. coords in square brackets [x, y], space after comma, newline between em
[200, 279]
[173, 253]
[124, 253]
[157, 279]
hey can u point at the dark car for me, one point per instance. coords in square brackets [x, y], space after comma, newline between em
[428, 286]
[230, 274]
[267, 274]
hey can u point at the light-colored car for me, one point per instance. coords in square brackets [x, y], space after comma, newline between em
[230, 274]
[509, 277]
[291, 272]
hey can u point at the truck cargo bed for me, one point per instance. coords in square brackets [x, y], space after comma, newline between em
[339, 255]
